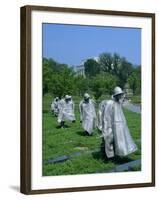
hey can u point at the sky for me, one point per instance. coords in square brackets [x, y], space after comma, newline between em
[70, 44]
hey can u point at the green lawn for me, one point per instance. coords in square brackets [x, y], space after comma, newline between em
[59, 142]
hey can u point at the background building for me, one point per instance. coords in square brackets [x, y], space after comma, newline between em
[80, 70]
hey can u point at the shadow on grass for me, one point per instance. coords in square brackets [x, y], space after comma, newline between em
[65, 127]
[116, 160]
[121, 160]
[100, 155]
[81, 133]
[58, 127]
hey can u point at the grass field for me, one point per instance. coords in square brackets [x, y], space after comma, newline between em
[59, 142]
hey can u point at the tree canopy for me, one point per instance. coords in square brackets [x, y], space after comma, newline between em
[92, 67]
[100, 76]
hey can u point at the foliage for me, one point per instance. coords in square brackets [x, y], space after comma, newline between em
[135, 80]
[91, 67]
[103, 83]
[81, 85]
[63, 82]
[100, 77]
[115, 65]
[58, 79]
[106, 60]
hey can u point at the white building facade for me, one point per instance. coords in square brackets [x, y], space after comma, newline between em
[80, 70]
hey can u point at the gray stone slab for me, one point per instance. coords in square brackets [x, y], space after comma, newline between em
[65, 158]
[123, 167]
[126, 166]
[119, 168]
[56, 160]
[76, 154]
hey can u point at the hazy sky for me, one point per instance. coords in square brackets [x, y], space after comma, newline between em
[71, 44]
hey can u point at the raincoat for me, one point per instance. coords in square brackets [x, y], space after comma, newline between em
[100, 114]
[55, 106]
[118, 140]
[88, 115]
[66, 110]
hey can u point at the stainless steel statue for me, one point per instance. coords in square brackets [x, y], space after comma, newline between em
[66, 110]
[118, 140]
[87, 114]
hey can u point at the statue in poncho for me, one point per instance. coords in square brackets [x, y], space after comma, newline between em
[101, 105]
[66, 111]
[87, 114]
[55, 106]
[117, 138]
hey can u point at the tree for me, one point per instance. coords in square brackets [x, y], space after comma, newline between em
[103, 83]
[125, 71]
[91, 67]
[63, 82]
[57, 78]
[105, 61]
[117, 66]
[81, 85]
[134, 80]
[101, 77]
[47, 75]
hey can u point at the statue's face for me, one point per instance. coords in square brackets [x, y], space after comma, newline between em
[119, 97]
[86, 99]
[67, 100]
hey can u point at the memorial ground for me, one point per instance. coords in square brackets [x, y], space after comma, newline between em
[68, 151]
